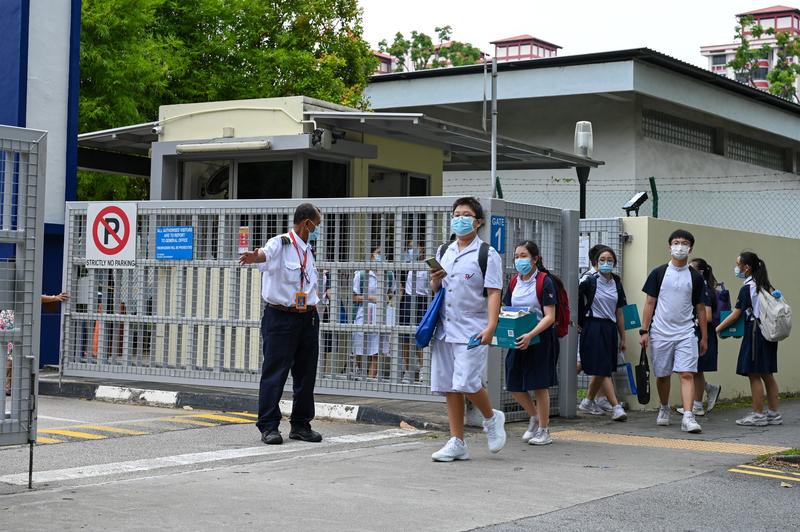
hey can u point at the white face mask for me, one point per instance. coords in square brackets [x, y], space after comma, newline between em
[679, 251]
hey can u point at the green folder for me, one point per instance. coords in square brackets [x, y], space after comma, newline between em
[630, 313]
[736, 330]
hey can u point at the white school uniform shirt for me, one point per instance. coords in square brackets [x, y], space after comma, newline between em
[755, 310]
[674, 315]
[280, 274]
[606, 297]
[465, 310]
[417, 283]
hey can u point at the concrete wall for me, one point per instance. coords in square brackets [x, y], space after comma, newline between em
[648, 248]
[401, 156]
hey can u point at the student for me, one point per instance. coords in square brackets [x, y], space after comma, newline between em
[471, 309]
[707, 362]
[602, 404]
[674, 296]
[533, 366]
[365, 295]
[758, 358]
[600, 302]
[413, 306]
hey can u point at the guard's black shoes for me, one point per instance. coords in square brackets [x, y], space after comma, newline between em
[272, 437]
[305, 434]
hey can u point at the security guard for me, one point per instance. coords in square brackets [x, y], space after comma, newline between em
[290, 326]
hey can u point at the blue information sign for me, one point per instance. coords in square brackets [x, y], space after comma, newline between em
[498, 233]
[175, 242]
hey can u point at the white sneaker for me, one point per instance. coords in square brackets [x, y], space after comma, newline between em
[663, 416]
[495, 431]
[542, 437]
[774, 418]
[533, 426]
[604, 404]
[753, 419]
[712, 393]
[697, 411]
[454, 449]
[618, 414]
[590, 407]
[406, 378]
[690, 424]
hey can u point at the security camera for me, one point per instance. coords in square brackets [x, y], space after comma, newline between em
[634, 203]
[157, 130]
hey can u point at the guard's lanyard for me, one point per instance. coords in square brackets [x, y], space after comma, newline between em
[303, 260]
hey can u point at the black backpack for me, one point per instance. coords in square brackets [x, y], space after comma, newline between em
[483, 258]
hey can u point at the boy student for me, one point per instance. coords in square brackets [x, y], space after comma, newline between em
[674, 298]
[472, 276]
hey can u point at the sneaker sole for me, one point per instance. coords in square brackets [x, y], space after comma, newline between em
[753, 424]
[451, 458]
[692, 431]
[775, 422]
[623, 417]
[591, 412]
[713, 402]
[664, 423]
[548, 442]
[502, 428]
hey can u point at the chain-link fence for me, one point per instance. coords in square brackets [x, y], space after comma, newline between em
[198, 320]
[22, 159]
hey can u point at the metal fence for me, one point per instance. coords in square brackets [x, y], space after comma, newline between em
[197, 321]
[22, 165]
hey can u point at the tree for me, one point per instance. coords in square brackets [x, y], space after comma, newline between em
[139, 54]
[420, 53]
[782, 77]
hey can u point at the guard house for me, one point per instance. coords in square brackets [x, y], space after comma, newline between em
[300, 147]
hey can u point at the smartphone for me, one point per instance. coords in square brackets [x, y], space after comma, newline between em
[473, 342]
[433, 264]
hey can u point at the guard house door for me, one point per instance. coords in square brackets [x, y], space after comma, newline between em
[385, 183]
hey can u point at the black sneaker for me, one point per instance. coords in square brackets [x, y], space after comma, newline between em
[305, 434]
[272, 437]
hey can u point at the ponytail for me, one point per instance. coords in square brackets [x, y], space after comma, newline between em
[759, 269]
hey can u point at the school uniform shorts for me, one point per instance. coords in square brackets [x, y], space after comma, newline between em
[456, 369]
[674, 356]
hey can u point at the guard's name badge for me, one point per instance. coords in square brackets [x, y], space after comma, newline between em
[301, 300]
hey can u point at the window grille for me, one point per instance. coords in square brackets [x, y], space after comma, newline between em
[754, 152]
[667, 128]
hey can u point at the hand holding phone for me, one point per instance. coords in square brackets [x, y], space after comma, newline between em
[433, 264]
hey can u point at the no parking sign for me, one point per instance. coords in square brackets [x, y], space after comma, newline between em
[111, 235]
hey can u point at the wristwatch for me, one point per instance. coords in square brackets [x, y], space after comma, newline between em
[643, 331]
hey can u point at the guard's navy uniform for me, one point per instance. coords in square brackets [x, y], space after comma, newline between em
[290, 334]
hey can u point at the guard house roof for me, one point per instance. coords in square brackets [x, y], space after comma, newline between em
[127, 149]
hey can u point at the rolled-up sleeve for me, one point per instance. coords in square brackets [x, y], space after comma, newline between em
[494, 271]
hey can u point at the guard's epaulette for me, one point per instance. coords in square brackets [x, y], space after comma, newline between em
[285, 240]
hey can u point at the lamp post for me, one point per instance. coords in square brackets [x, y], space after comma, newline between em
[584, 145]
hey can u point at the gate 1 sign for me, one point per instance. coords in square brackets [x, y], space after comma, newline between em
[111, 235]
[498, 234]
[175, 242]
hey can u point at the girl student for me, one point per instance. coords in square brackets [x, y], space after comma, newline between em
[533, 366]
[758, 358]
[601, 299]
[366, 290]
[708, 361]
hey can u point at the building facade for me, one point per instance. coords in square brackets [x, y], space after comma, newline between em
[521, 47]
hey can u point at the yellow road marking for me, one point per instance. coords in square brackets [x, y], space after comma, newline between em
[115, 430]
[218, 417]
[41, 440]
[666, 443]
[73, 434]
[746, 466]
[756, 473]
[245, 414]
[189, 421]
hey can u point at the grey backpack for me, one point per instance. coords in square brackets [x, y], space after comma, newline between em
[776, 317]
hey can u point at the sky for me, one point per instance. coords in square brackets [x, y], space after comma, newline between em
[674, 27]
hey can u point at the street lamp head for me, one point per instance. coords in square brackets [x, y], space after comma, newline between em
[584, 141]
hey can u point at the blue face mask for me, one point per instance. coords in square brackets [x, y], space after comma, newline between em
[378, 258]
[313, 235]
[739, 273]
[523, 266]
[605, 267]
[462, 225]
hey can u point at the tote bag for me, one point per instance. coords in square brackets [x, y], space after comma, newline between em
[427, 326]
[643, 379]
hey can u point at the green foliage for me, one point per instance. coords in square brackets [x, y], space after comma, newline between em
[420, 53]
[93, 186]
[139, 54]
[783, 77]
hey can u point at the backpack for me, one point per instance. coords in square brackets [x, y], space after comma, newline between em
[562, 300]
[586, 292]
[776, 317]
[723, 302]
[483, 259]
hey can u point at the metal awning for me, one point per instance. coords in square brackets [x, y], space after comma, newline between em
[123, 150]
[468, 149]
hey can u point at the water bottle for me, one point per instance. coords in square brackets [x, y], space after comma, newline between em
[776, 294]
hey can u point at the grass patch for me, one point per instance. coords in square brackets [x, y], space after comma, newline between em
[582, 394]
[745, 401]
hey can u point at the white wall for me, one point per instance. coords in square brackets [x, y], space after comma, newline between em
[48, 90]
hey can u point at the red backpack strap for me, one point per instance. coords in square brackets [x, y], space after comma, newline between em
[540, 276]
[512, 284]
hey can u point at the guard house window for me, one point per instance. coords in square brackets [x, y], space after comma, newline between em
[667, 128]
[205, 180]
[327, 179]
[751, 151]
[417, 186]
[719, 60]
[264, 180]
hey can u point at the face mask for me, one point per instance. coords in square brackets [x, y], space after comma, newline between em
[313, 235]
[679, 251]
[462, 225]
[411, 255]
[523, 266]
[605, 267]
[739, 273]
[378, 258]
